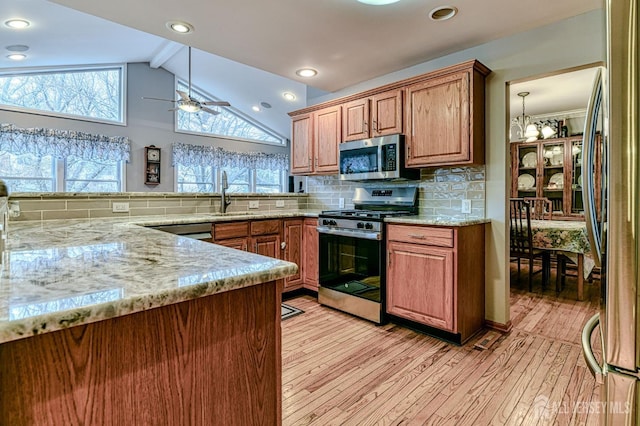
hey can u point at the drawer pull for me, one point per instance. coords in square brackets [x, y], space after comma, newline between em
[418, 236]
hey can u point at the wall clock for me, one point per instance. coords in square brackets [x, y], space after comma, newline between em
[151, 165]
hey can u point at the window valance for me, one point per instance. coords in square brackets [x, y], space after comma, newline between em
[63, 143]
[200, 155]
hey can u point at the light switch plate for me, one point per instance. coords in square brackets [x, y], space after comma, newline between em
[466, 206]
[120, 207]
[254, 204]
[341, 203]
[280, 203]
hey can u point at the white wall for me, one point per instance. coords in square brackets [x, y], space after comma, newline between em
[148, 123]
[576, 41]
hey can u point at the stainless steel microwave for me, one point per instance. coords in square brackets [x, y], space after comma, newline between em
[380, 158]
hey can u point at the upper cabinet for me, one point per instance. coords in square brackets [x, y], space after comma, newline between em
[315, 139]
[378, 115]
[441, 114]
[444, 119]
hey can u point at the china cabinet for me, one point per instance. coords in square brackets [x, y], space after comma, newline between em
[552, 168]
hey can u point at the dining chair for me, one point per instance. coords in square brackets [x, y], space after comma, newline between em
[541, 207]
[521, 241]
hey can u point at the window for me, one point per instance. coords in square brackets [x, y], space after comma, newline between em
[92, 176]
[94, 93]
[29, 173]
[226, 124]
[240, 180]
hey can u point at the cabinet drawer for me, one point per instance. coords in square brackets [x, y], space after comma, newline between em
[441, 237]
[266, 227]
[223, 231]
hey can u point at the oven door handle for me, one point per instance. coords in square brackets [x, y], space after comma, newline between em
[376, 236]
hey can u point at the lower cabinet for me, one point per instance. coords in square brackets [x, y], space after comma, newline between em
[435, 277]
[292, 247]
[294, 240]
[310, 254]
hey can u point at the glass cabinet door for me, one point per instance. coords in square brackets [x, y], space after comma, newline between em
[527, 157]
[576, 177]
[553, 176]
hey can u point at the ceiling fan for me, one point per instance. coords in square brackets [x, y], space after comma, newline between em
[190, 104]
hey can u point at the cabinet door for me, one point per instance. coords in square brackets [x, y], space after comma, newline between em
[236, 243]
[438, 121]
[293, 230]
[266, 245]
[355, 120]
[310, 254]
[301, 144]
[327, 136]
[386, 113]
[420, 284]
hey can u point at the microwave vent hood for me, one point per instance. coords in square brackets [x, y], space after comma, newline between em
[375, 159]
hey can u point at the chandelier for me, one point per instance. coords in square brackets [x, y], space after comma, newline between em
[527, 130]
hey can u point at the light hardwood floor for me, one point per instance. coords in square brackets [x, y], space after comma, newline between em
[340, 370]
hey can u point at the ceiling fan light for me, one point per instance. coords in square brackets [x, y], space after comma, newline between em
[189, 107]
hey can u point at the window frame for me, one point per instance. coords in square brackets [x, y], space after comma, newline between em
[59, 171]
[217, 185]
[232, 110]
[77, 68]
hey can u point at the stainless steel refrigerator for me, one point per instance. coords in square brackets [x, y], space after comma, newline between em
[613, 231]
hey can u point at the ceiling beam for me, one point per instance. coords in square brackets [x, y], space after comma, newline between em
[164, 53]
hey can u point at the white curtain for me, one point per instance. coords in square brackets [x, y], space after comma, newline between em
[200, 155]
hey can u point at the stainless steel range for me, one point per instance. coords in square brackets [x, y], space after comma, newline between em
[353, 253]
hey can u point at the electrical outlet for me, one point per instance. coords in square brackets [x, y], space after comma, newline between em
[466, 206]
[254, 204]
[120, 207]
[279, 203]
[341, 203]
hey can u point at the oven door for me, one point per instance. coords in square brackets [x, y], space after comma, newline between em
[351, 272]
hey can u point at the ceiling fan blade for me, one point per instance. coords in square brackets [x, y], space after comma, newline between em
[183, 95]
[158, 99]
[210, 111]
[216, 103]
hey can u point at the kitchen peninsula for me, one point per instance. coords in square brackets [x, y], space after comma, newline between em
[107, 322]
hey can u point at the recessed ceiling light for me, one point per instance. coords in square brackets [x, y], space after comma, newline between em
[17, 48]
[266, 105]
[180, 27]
[442, 13]
[17, 24]
[256, 108]
[289, 96]
[378, 2]
[17, 56]
[306, 72]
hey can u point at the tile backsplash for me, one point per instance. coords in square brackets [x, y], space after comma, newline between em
[48, 206]
[440, 191]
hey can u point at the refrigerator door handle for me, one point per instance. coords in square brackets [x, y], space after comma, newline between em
[588, 157]
[596, 369]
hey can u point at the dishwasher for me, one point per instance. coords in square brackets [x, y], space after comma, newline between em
[197, 231]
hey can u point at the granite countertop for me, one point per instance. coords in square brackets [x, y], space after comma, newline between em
[429, 220]
[62, 273]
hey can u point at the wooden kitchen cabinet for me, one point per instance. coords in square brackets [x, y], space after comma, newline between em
[259, 236]
[435, 278]
[315, 140]
[293, 249]
[444, 119]
[378, 115]
[552, 168]
[310, 253]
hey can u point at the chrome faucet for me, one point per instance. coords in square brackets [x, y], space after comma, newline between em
[225, 200]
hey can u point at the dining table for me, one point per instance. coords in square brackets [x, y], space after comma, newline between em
[570, 238]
